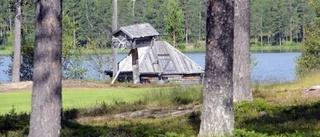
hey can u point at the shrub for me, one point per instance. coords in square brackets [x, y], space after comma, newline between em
[13, 124]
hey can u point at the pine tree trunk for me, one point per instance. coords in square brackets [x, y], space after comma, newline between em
[186, 33]
[199, 25]
[10, 23]
[261, 36]
[217, 118]
[114, 28]
[290, 20]
[74, 31]
[174, 39]
[241, 71]
[17, 43]
[46, 95]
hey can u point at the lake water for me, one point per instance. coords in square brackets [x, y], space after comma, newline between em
[271, 67]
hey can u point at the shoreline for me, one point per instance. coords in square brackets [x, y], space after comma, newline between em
[252, 50]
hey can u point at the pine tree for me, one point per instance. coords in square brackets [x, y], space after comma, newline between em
[309, 61]
[241, 73]
[46, 107]
[17, 43]
[174, 23]
[217, 117]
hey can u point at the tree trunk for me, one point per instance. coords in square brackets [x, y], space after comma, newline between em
[290, 20]
[135, 66]
[74, 31]
[199, 21]
[261, 36]
[17, 43]
[186, 32]
[46, 95]
[114, 28]
[133, 3]
[10, 23]
[217, 118]
[174, 39]
[241, 71]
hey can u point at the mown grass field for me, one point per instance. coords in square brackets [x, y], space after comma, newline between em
[73, 98]
[277, 110]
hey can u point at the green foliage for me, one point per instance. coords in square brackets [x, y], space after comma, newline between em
[174, 23]
[27, 53]
[98, 60]
[9, 40]
[273, 22]
[309, 61]
[13, 124]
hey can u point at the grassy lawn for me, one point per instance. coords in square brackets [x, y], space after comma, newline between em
[277, 110]
[73, 98]
[6, 50]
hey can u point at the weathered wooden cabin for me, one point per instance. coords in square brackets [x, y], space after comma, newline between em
[135, 36]
[161, 62]
[132, 37]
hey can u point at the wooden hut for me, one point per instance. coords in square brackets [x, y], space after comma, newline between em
[161, 62]
[132, 37]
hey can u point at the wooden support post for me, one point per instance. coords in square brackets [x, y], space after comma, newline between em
[135, 66]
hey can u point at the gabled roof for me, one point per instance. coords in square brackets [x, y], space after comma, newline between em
[161, 58]
[138, 30]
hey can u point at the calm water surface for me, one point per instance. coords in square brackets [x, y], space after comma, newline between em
[271, 67]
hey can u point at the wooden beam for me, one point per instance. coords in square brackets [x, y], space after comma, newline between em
[135, 66]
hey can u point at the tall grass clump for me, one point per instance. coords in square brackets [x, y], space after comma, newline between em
[155, 97]
[177, 95]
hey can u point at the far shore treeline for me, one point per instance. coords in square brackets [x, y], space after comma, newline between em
[88, 23]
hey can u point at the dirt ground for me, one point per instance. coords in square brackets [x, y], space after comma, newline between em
[150, 113]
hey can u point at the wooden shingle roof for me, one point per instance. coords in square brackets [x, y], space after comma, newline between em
[138, 30]
[161, 58]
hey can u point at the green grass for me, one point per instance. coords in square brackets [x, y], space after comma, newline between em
[275, 49]
[73, 98]
[189, 48]
[6, 50]
[278, 110]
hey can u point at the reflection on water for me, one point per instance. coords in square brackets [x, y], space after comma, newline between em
[271, 67]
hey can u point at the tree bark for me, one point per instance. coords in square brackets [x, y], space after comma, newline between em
[114, 28]
[217, 118]
[46, 106]
[241, 62]
[199, 21]
[174, 39]
[17, 43]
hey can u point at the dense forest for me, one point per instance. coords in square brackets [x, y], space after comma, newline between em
[89, 22]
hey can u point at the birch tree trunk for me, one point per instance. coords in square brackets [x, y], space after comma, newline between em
[17, 43]
[241, 62]
[46, 95]
[217, 118]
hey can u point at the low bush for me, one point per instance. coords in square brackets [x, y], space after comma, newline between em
[13, 124]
